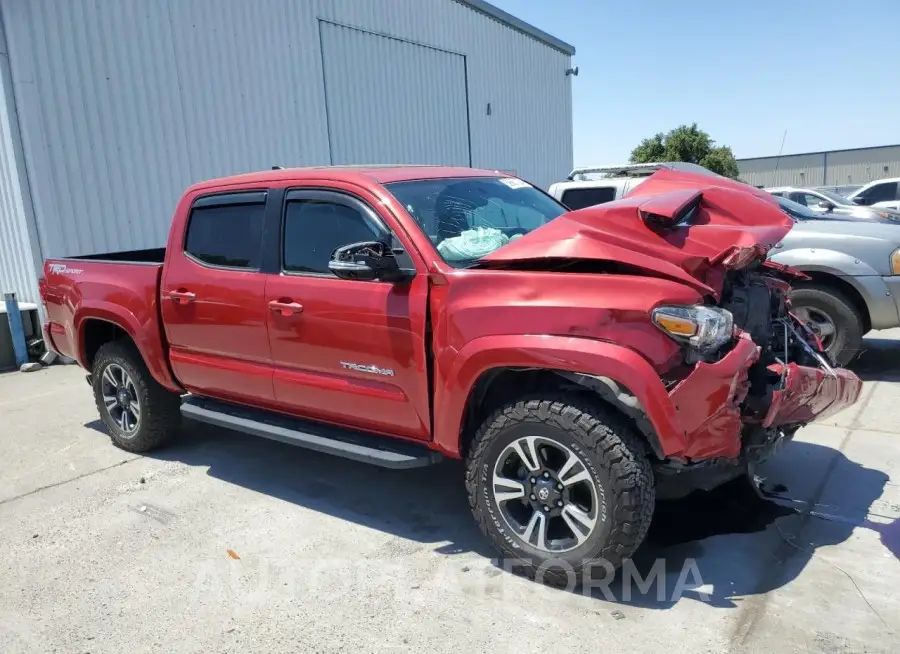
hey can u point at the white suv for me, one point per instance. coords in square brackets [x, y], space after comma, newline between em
[880, 193]
[585, 187]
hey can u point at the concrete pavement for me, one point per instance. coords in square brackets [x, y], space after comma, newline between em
[227, 543]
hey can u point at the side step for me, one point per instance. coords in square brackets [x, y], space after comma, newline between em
[359, 446]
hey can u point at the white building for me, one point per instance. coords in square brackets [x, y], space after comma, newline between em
[109, 109]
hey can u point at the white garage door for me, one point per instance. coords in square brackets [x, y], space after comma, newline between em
[391, 101]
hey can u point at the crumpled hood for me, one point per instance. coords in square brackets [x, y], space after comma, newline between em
[727, 217]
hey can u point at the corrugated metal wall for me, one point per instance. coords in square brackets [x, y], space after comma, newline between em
[794, 170]
[124, 103]
[19, 257]
[841, 167]
[863, 166]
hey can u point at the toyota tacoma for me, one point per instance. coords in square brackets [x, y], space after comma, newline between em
[581, 363]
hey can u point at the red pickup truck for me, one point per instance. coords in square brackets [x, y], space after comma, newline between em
[581, 363]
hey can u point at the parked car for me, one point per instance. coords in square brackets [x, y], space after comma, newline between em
[581, 363]
[853, 270]
[832, 204]
[882, 193]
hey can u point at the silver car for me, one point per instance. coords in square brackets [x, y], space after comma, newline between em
[832, 204]
[854, 270]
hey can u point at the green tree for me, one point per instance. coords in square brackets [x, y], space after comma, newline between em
[687, 143]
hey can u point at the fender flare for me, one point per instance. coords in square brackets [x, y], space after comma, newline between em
[566, 354]
[151, 350]
[825, 260]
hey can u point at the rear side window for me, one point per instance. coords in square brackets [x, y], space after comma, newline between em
[313, 229]
[579, 198]
[226, 235]
[880, 193]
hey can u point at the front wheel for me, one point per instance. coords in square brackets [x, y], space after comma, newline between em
[560, 485]
[832, 317]
[139, 414]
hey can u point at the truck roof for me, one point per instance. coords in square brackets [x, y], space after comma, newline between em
[381, 174]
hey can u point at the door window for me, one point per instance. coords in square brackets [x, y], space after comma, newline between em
[313, 229]
[579, 198]
[880, 193]
[227, 235]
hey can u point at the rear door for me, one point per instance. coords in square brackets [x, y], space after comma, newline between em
[349, 352]
[213, 300]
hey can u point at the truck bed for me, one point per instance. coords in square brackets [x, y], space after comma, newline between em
[115, 287]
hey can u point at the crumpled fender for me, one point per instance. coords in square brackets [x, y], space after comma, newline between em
[564, 353]
[142, 330]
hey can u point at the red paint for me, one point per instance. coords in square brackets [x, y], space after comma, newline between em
[811, 393]
[708, 403]
[358, 353]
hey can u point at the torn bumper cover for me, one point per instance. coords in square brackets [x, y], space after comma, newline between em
[809, 394]
[709, 400]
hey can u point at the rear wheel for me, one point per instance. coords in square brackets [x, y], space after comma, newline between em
[834, 319]
[560, 485]
[138, 413]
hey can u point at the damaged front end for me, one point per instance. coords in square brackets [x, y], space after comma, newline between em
[740, 403]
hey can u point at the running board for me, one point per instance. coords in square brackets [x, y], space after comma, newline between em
[359, 446]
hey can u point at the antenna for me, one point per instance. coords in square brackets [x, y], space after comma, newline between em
[780, 150]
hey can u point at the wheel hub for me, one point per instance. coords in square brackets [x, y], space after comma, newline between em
[546, 493]
[123, 397]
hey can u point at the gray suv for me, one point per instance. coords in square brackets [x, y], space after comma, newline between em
[853, 263]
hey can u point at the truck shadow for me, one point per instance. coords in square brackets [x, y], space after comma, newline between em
[713, 547]
[878, 360]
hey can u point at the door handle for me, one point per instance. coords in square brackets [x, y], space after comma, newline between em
[286, 307]
[181, 297]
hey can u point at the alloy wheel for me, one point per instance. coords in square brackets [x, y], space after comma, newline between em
[121, 399]
[545, 494]
[820, 323]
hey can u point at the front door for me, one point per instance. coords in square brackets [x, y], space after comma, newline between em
[345, 351]
[213, 301]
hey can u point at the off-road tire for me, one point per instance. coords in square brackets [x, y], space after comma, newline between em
[617, 461]
[160, 417]
[848, 322]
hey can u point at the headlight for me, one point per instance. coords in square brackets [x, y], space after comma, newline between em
[895, 262]
[705, 328]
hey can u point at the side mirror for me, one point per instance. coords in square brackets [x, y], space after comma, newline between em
[863, 202]
[824, 206]
[367, 261]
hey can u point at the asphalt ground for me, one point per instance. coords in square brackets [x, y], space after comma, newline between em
[228, 543]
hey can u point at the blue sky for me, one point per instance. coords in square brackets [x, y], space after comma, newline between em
[828, 72]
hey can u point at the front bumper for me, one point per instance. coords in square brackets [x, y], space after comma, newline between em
[709, 400]
[809, 394]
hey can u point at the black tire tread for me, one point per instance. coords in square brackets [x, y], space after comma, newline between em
[160, 408]
[839, 300]
[614, 446]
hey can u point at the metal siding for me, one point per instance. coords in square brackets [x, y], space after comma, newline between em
[863, 166]
[415, 110]
[122, 104]
[19, 259]
[858, 166]
[790, 170]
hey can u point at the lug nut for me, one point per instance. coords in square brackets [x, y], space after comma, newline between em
[532, 496]
[533, 480]
[559, 487]
[546, 475]
[546, 509]
[559, 503]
